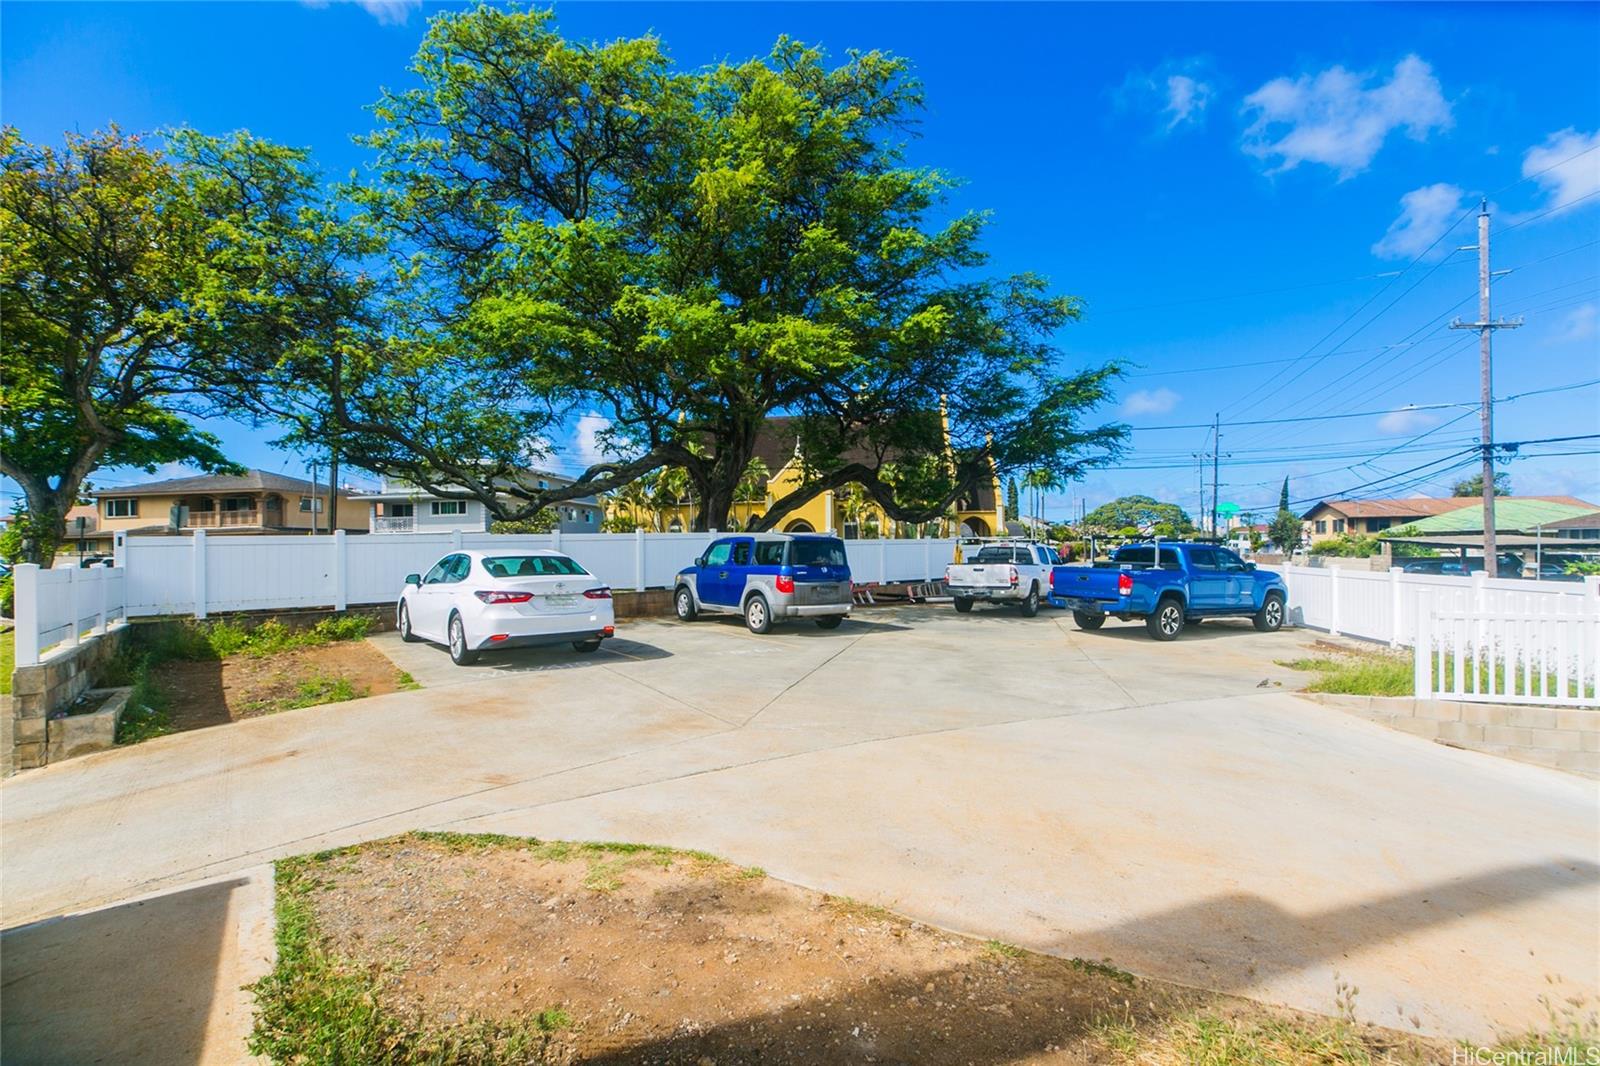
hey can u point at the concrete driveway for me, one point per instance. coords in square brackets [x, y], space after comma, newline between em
[1164, 806]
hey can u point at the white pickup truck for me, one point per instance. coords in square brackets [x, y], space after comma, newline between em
[1002, 571]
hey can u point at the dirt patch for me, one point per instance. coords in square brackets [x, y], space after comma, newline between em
[650, 956]
[214, 692]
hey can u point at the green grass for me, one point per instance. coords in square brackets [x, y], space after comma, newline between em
[1359, 674]
[148, 713]
[320, 689]
[8, 659]
[1001, 948]
[200, 641]
[404, 682]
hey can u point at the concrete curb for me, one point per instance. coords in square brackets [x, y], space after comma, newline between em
[1560, 738]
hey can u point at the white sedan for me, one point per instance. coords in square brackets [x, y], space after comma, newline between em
[475, 601]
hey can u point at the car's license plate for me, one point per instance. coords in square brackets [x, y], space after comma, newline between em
[560, 601]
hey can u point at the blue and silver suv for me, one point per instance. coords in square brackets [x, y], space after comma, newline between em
[768, 577]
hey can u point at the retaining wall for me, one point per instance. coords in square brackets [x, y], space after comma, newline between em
[1560, 738]
[61, 678]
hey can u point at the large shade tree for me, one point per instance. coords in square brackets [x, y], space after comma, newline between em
[687, 253]
[127, 282]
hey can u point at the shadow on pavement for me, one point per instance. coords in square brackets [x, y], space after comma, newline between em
[127, 985]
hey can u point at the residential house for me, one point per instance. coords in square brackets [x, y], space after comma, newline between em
[254, 502]
[1583, 527]
[849, 511]
[1512, 515]
[1333, 518]
[401, 507]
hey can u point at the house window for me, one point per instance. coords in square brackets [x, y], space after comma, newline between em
[240, 503]
[400, 510]
[449, 506]
[309, 502]
[1321, 527]
[123, 507]
[543, 484]
[588, 516]
[1338, 525]
[1374, 525]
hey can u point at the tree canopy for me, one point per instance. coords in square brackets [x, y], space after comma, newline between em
[122, 270]
[1142, 513]
[687, 253]
[1473, 486]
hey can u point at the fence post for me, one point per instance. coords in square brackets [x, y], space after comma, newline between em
[556, 532]
[1591, 588]
[104, 577]
[199, 573]
[26, 608]
[1422, 647]
[638, 559]
[75, 612]
[927, 559]
[1394, 606]
[119, 548]
[1333, 601]
[455, 540]
[883, 560]
[339, 569]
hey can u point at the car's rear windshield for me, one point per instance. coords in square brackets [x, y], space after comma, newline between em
[1145, 556]
[816, 552]
[1002, 553]
[530, 565]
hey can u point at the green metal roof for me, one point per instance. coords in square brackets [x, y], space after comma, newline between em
[1510, 516]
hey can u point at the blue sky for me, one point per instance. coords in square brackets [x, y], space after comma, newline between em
[1240, 194]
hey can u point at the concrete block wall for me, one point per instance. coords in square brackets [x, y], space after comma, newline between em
[1560, 738]
[62, 677]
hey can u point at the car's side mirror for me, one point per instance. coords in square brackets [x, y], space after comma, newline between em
[1249, 566]
[700, 561]
[413, 579]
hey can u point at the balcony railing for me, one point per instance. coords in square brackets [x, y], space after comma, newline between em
[213, 519]
[394, 525]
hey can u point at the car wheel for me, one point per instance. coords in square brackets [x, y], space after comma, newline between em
[683, 602]
[1030, 606]
[1270, 618]
[460, 654]
[830, 621]
[586, 646]
[1166, 622]
[757, 615]
[1088, 619]
[403, 623]
[963, 604]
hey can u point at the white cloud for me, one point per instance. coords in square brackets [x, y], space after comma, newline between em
[1178, 92]
[1407, 420]
[1336, 119]
[589, 445]
[1567, 166]
[387, 12]
[1150, 402]
[1425, 214]
[1581, 324]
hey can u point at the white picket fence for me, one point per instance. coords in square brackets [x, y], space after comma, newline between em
[1481, 639]
[58, 606]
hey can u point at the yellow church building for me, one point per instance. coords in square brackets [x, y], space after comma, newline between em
[849, 512]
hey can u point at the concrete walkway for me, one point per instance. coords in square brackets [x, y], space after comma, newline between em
[1096, 795]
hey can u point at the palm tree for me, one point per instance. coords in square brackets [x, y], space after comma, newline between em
[1040, 481]
[636, 497]
[671, 489]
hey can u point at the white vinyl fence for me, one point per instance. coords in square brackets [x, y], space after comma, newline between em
[1483, 639]
[58, 606]
[203, 575]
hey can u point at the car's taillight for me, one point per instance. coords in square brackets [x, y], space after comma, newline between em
[601, 593]
[785, 583]
[1124, 584]
[1013, 574]
[497, 596]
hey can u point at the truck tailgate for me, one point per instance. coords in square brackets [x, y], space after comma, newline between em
[1085, 582]
[981, 575]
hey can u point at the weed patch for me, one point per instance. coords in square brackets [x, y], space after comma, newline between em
[1358, 674]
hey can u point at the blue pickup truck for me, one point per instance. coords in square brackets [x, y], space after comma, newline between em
[1187, 583]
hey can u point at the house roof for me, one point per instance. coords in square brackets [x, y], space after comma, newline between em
[1583, 521]
[1410, 507]
[1514, 514]
[249, 481]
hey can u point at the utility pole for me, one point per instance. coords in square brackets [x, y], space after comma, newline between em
[1216, 455]
[1200, 475]
[1486, 327]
